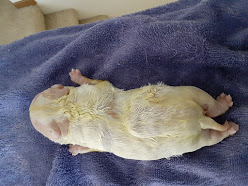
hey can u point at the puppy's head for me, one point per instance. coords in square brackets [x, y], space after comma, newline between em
[45, 113]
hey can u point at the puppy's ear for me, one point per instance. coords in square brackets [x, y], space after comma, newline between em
[64, 127]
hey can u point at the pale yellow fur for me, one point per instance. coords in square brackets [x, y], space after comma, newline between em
[152, 122]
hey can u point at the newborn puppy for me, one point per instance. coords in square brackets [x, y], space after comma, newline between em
[148, 123]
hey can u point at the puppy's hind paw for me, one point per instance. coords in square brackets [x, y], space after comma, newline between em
[225, 100]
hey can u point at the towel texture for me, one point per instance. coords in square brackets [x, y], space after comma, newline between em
[202, 43]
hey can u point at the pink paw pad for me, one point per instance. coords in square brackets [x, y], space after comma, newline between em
[233, 128]
[75, 149]
[75, 75]
[226, 100]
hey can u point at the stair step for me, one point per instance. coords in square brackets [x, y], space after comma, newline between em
[25, 18]
[64, 18]
[17, 23]
[93, 19]
[24, 3]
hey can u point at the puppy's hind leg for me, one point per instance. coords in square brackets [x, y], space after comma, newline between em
[209, 123]
[216, 132]
[212, 107]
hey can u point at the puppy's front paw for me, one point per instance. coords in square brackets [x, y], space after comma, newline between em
[76, 149]
[76, 76]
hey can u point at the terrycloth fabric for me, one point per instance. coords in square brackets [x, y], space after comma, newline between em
[190, 42]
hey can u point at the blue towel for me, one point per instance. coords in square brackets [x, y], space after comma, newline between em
[202, 43]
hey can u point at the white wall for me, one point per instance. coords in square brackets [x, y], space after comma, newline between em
[91, 8]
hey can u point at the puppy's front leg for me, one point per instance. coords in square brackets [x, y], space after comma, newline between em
[77, 78]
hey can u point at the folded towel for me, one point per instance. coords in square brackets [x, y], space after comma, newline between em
[202, 43]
